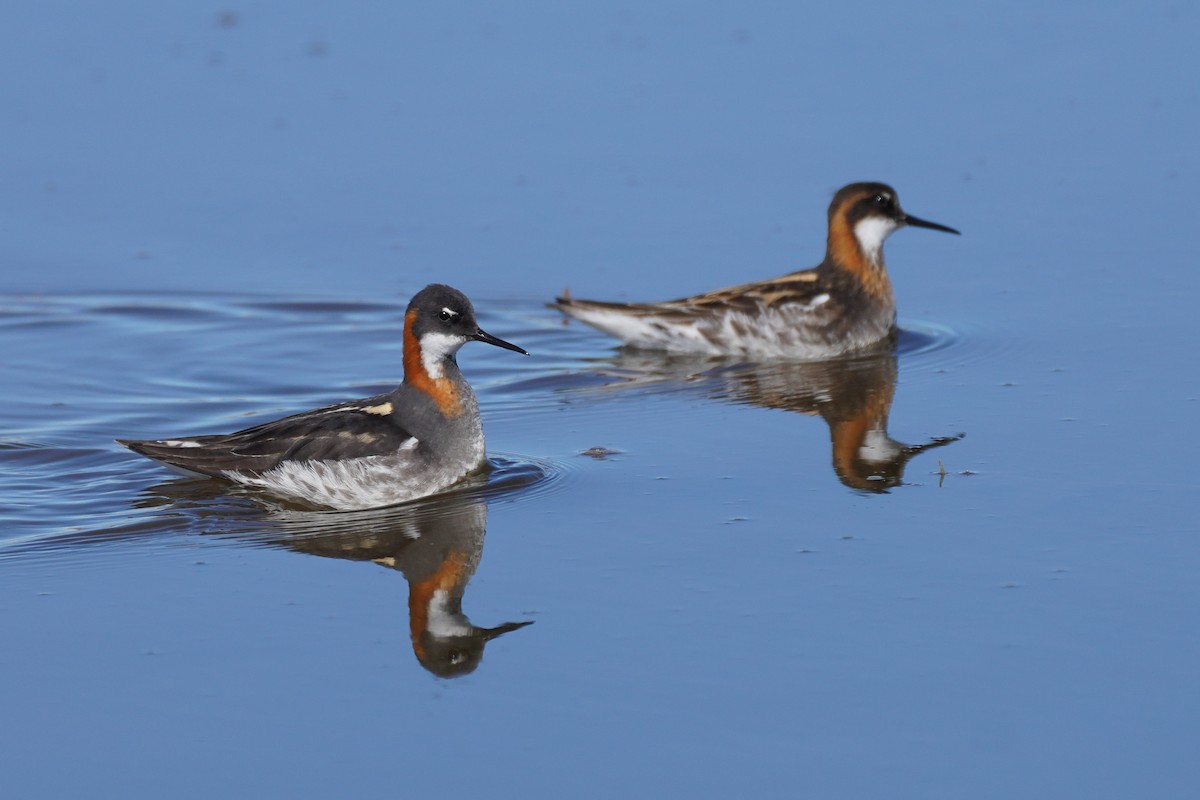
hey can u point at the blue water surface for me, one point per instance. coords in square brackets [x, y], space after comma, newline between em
[216, 214]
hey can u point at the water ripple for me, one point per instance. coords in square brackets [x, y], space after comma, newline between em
[146, 365]
[156, 517]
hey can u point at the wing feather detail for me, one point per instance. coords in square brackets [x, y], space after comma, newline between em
[346, 430]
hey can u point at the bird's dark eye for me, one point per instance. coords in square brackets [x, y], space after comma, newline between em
[882, 200]
[445, 314]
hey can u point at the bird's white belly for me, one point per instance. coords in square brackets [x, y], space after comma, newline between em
[359, 483]
[792, 332]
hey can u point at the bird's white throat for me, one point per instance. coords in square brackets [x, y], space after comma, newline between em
[870, 232]
[435, 347]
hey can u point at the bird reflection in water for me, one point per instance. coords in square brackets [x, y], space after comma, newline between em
[436, 543]
[853, 396]
[437, 546]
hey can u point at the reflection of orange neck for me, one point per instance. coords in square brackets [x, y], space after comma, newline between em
[450, 577]
[844, 251]
[415, 375]
[849, 435]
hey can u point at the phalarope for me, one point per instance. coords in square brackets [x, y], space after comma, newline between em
[413, 441]
[843, 305]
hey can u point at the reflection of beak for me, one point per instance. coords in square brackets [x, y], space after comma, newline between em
[940, 441]
[487, 634]
[483, 336]
[920, 223]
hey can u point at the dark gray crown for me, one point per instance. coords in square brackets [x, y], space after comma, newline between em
[443, 309]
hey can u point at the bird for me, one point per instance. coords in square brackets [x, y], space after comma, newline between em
[843, 305]
[418, 439]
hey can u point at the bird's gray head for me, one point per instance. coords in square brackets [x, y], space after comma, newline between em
[872, 211]
[440, 320]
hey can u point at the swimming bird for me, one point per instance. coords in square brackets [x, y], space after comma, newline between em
[416, 440]
[843, 305]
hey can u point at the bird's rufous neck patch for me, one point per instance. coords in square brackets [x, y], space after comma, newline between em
[440, 389]
[845, 251]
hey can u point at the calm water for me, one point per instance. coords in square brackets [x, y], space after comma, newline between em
[677, 578]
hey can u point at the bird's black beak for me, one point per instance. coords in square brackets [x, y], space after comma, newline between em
[483, 336]
[920, 223]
